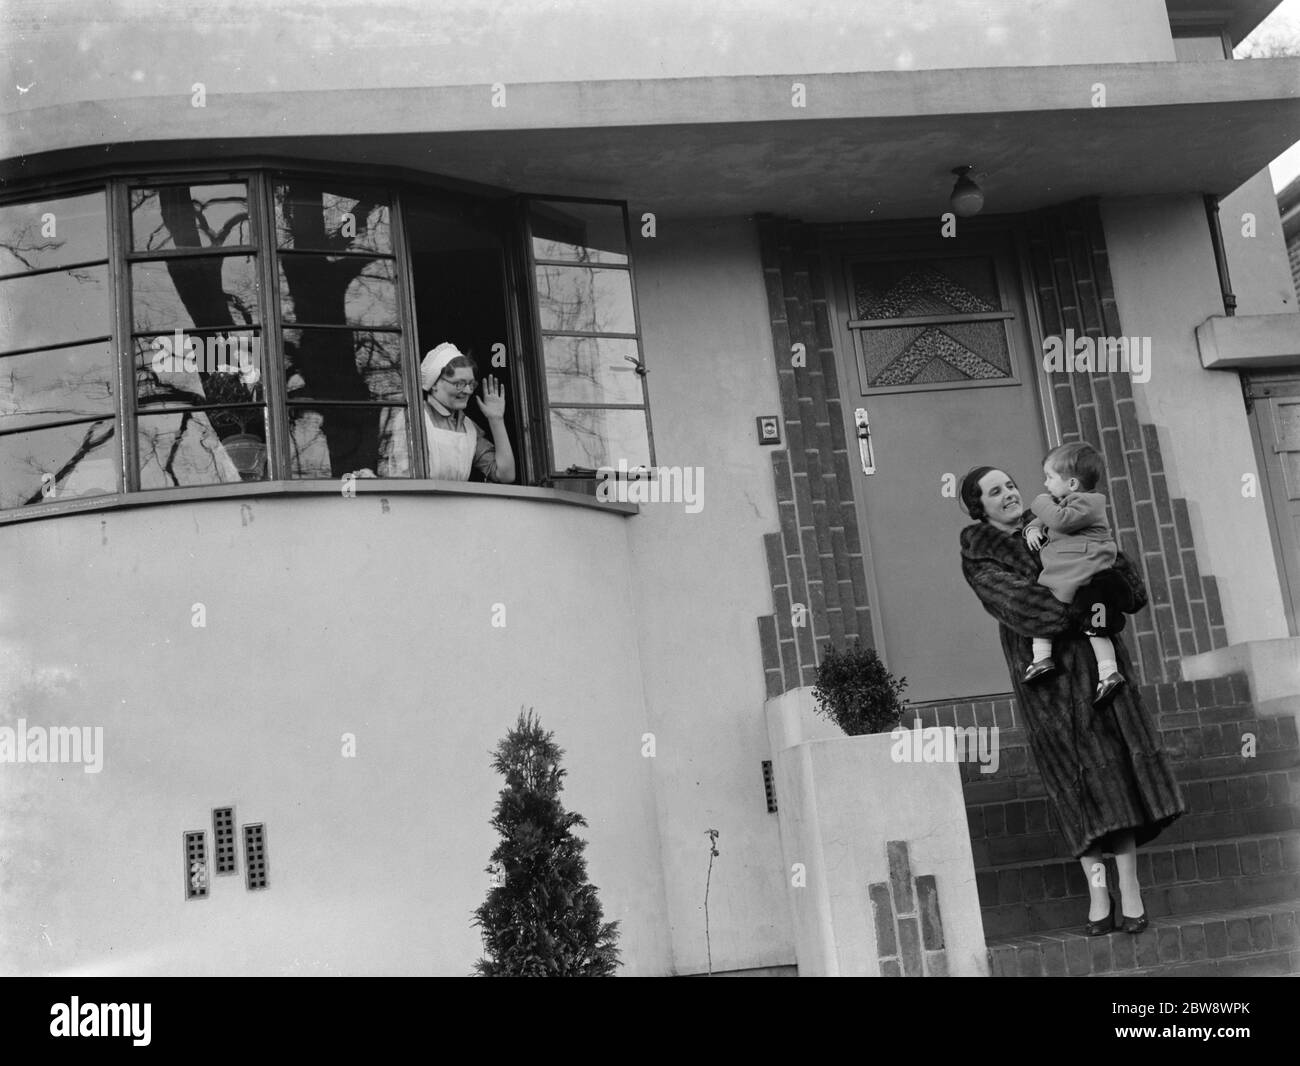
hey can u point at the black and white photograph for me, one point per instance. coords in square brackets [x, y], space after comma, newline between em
[582, 488]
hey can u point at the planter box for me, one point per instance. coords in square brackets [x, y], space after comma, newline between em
[877, 852]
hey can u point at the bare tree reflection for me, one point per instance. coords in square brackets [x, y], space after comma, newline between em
[320, 290]
[89, 443]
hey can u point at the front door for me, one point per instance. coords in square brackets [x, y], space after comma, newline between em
[1275, 424]
[934, 344]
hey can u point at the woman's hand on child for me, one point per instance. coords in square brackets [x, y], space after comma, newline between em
[1034, 537]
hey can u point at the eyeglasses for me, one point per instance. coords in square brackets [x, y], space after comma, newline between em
[459, 386]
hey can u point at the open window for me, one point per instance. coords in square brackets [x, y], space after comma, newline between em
[588, 339]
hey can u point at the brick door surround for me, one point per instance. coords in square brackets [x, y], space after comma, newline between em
[816, 560]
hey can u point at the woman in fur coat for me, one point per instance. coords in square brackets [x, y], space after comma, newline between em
[1111, 785]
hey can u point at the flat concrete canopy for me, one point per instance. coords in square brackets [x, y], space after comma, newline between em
[872, 145]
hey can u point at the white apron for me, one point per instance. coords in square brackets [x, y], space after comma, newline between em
[451, 454]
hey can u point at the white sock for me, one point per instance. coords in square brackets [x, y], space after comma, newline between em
[1104, 650]
[1042, 648]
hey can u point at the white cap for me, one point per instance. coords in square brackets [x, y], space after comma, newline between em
[435, 362]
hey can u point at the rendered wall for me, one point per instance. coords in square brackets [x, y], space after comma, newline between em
[700, 581]
[324, 616]
[80, 50]
[1258, 265]
[1166, 284]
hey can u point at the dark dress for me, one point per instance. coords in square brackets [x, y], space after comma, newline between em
[1103, 768]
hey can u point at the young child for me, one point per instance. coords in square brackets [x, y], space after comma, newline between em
[1076, 544]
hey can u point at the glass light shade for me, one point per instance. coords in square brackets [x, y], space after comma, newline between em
[967, 199]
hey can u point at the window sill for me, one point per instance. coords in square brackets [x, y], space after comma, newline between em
[364, 487]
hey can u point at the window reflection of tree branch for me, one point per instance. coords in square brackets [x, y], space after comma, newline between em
[580, 424]
[334, 291]
[14, 246]
[88, 444]
[168, 467]
[199, 209]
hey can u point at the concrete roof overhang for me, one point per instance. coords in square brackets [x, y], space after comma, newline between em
[878, 145]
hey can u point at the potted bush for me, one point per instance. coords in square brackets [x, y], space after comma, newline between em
[856, 691]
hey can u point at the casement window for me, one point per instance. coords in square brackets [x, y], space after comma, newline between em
[182, 330]
[586, 323]
[58, 379]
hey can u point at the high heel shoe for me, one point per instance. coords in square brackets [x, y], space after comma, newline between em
[1135, 925]
[1102, 926]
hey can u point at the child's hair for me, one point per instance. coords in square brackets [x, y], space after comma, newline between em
[1077, 460]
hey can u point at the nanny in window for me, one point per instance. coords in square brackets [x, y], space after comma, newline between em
[456, 444]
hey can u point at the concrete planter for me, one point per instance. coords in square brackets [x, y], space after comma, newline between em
[877, 853]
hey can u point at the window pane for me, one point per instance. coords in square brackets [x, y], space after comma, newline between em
[204, 291]
[202, 447]
[329, 442]
[585, 299]
[50, 233]
[583, 233]
[53, 385]
[189, 216]
[907, 287]
[930, 355]
[594, 437]
[82, 458]
[200, 368]
[592, 370]
[57, 308]
[323, 290]
[317, 217]
[343, 364]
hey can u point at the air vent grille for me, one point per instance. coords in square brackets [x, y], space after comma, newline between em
[255, 859]
[196, 864]
[225, 853]
[769, 786]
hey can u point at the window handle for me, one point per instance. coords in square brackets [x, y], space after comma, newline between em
[864, 441]
[637, 364]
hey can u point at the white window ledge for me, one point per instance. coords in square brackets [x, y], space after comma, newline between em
[1259, 342]
[364, 487]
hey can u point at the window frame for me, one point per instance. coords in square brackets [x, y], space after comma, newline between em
[994, 247]
[72, 186]
[581, 480]
[124, 255]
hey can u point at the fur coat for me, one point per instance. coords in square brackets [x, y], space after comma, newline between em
[1103, 768]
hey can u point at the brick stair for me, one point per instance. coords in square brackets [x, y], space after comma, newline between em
[1259, 941]
[1221, 886]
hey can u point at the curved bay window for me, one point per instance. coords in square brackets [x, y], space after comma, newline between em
[177, 331]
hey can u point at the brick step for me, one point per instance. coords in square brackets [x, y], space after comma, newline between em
[1206, 750]
[1245, 804]
[1209, 700]
[1261, 964]
[1256, 940]
[1029, 897]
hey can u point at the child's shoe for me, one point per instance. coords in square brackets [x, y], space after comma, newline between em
[1106, 689]
[1039, 668]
